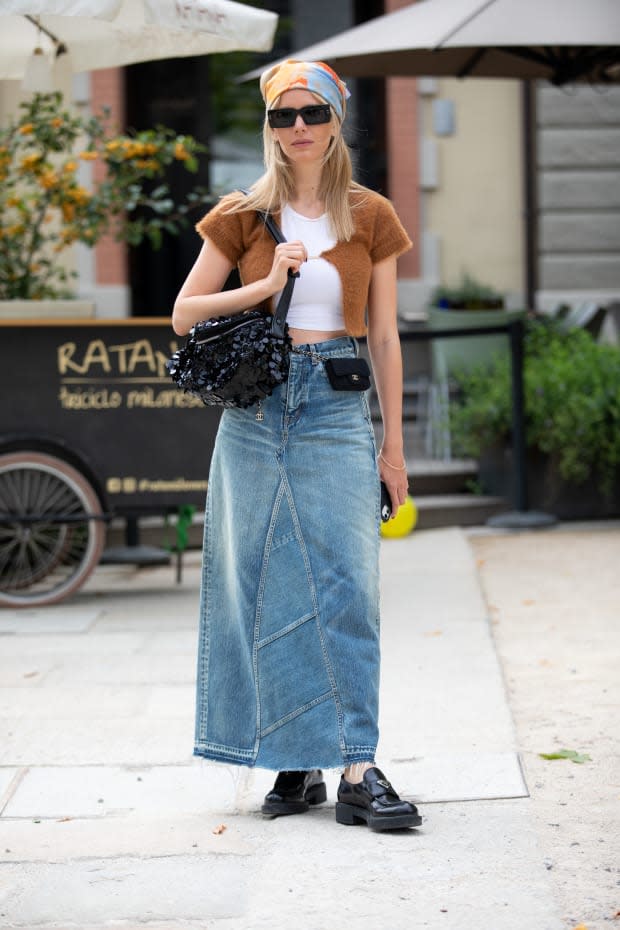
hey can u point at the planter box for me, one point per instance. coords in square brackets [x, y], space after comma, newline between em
[547, 490]
[46, 309]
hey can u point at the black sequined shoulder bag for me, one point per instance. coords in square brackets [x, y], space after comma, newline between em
[237, 360]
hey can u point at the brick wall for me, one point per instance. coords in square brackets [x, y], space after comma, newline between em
[403, 158]
[107, 89]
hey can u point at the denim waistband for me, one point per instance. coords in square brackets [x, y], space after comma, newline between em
[328, 347]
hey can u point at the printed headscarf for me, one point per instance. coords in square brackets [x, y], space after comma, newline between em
[314, 76]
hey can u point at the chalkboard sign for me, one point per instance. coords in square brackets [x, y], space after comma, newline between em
[99, 390]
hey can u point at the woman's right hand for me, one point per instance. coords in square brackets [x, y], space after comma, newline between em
[202, 296]
[287, 255]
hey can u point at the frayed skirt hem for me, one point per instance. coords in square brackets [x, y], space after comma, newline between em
[235, 757]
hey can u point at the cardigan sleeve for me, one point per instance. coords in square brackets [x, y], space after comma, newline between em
[389, 235]
[225, 230]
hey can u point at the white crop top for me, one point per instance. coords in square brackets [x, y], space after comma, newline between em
[317, 295]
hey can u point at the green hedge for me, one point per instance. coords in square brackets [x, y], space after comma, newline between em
[572, 404]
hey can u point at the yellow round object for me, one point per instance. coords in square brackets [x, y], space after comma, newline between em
[403, 523]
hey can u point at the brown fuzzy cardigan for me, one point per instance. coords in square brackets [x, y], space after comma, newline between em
[243, 239]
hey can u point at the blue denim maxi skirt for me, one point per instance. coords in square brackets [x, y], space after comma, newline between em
[288, 658]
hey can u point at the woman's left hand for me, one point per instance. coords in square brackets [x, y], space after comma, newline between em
[387, 365]
[393, 471]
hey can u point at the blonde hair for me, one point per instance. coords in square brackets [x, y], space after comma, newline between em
[276, 187]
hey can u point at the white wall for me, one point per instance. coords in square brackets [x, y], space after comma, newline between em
[473, 200]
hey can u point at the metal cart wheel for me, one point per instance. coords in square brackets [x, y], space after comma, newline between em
[51, 529]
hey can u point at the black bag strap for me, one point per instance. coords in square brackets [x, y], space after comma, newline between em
[279, 315]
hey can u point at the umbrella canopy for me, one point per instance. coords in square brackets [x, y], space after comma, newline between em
[560, 40]
[109, 33]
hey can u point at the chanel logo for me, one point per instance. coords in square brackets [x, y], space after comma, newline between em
[355, 377]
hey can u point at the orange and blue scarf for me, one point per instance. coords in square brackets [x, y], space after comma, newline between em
[314, 76]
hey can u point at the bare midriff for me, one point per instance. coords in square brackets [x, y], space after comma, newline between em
[300, 336]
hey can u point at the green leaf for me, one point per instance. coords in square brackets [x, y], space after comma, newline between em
[571, 754]
[44, 129]
[184, 521]
[572, 404]
[162, 206]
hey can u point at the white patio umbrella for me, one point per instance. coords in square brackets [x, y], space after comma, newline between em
[108, 33]
[561, 40]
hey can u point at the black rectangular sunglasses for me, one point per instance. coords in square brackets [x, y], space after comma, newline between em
[287, 116]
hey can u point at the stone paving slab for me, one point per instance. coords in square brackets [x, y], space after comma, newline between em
[181, 642]
[147, 855]
[54, 619]
[7, 778]
[100, 791]
[153, 621]
[468, 869]
[125, 669]
[444, 690]
[71, 741]
[24, 671]
[456, 718]
[179, 887]
[168, 702]
[453, 776]
[72, 647]
[152, 836]
[94, 703]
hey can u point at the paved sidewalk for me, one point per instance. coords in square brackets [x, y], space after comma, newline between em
[107, 821]
[554, 602]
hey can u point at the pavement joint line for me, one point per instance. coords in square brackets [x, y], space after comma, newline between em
[14, 784]
[519, 755]
[126, 766]
[209, 854]
[121, 813]
[482, 800]
[115, 814]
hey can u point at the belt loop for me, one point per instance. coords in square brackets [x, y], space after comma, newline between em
[357, 345]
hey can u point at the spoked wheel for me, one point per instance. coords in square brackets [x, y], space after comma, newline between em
[51, 529]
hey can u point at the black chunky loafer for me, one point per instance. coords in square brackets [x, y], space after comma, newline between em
[375, 802]
[294, 792]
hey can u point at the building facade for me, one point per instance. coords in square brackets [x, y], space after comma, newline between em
[454, 157]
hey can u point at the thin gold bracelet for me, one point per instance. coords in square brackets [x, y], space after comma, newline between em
[389, 464]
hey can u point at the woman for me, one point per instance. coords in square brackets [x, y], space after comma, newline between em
[288, 666]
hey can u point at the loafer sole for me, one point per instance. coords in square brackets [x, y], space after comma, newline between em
[317, 794]
[350, 814]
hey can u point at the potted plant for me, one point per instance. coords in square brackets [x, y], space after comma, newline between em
[469, 295]
[572, 420]
[467, 306]
[45, 209]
